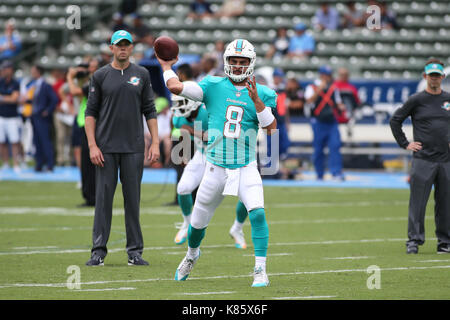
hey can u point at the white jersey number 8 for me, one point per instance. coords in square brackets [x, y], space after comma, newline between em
[232, 127]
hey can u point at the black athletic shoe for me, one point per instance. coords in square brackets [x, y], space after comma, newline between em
[137, 261]
[95, 261]
[443, 248]
[412, 248]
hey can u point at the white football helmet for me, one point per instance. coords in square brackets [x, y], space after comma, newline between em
[239, 48]
[183, 107]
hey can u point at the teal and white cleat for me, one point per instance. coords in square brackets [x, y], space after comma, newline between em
[181, 236]
[185, 268]
[239, 240]
[260, 278]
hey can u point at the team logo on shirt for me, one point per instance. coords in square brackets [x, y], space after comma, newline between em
[446, 106]
[134, 81]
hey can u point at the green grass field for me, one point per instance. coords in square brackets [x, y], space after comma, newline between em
[321, 243]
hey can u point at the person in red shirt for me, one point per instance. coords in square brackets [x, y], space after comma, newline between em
[349, 93]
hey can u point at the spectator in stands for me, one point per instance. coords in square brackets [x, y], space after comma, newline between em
[149, 51]
[349, 93]
[388, 17]
[295, 98]
[10, 121]
[200, 9]
[352, 17]
[280, 44]
[219, 49]
[301, 44]
[282, 112]
[326, 17]
[118, 23]
[63, 119]
[128, 7]
[325, 100]
[139, 29]
[231, 8]
[44, 103]
[10, 42]
[105, 56]
[208, 67]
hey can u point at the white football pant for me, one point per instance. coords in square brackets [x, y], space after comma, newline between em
[210, 192]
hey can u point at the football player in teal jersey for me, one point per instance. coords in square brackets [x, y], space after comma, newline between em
[237, 106]
[192, 116]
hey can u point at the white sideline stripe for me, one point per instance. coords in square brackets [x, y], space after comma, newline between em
[164, 211]
[347, 258]
[64, 284]
[59, 211]
[307, 297]
[446, 260]
[106, 289]
[215, 246]
[342, 220]
[43, 247]
[204, 293]
[337, 204]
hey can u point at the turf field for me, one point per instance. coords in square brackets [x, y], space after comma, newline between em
[322, 241]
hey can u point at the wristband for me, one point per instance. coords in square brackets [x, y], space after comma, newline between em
[265, 117]
[169, 74]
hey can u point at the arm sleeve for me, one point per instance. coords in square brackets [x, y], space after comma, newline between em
[94, 98]
[148, 104]
[192, 91]
[397, 120]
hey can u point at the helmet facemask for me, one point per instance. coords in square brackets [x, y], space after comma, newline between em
[183, 107]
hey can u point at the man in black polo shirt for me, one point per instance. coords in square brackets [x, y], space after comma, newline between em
[119, 94]
[10, 121]
[430, 114]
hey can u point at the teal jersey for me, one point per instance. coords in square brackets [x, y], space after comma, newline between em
[200, 123]
[233, 124]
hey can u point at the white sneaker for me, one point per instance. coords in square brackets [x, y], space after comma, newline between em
[239, 240]
[185, 268]
[181, 236]
[260, 278]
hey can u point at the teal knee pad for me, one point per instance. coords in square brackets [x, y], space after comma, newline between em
[195, 236]
[260, 231]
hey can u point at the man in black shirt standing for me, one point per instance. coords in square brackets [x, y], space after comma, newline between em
[430, 114]
[119, 94]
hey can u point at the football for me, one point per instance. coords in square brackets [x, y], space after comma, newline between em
[166, 48]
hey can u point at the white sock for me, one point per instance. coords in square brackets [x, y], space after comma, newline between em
[260, 262]
[192, 253]
[237, 226]
[187, 221]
